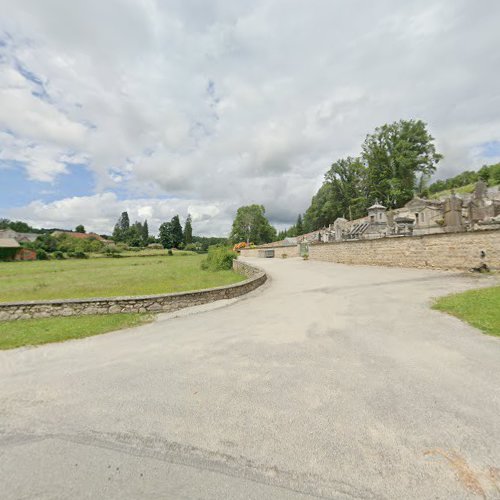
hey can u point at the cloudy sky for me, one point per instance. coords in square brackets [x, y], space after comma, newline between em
[201, 106]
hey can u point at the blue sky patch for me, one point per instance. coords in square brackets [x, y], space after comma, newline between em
[491, 149]
[18, 190]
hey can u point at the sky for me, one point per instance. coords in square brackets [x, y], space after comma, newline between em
[195, 106]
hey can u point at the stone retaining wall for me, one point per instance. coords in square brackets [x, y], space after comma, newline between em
[148, 303]
[278, 251]
[439, 251]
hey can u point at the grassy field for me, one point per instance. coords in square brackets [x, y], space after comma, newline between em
[480, 308]
[43, 331]
[107, 277]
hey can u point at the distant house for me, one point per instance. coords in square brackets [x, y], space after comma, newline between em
[10, 249]
[19, 237]
[82, 236]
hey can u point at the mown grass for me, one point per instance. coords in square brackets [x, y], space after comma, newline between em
[107, 277]
[45, 330]
[480, 308]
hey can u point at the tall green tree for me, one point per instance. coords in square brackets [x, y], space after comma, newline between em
[251, 225]
[177, 234]
[166, 235]
[145, 232]
[396, 155]
[299, 228]
[80, 228]
[188, 231]
[121, 227]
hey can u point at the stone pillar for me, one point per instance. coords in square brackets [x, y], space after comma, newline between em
[453, 221]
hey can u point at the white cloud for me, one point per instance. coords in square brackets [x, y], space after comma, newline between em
[100, 212]
[217, 104]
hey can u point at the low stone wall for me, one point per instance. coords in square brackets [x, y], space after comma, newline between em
[148, 303]
[439, 251]
[278, 251]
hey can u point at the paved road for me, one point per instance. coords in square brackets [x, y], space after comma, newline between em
[331, 381]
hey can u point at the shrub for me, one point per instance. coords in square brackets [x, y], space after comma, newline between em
[78, 255]
[58, 255]
[219, 258]
[112, 251]
[41, 254]
[155, 246]
[305, 256]
[284, 255]
[170, 252]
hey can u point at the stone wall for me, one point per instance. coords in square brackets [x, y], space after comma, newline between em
[148, 303]
[439, 251]
[278, 251]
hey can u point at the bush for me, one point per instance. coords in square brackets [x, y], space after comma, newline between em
[58, 255]
[193, 247]
[155, 246]
[170, 252]
[219, 258]
[78, 255]
[41, 254]
[112, 251]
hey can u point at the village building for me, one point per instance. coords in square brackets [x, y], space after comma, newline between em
[19, 237]
[10, 249]
[420, 216]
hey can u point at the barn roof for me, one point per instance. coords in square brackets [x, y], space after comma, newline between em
[9, 243]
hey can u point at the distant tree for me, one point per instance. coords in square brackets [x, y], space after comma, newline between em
[203, 242]
[145, 232]
[251, 225]
[166, 235]
[177, 234]
[188, 231]
[133, 236]
[20, 227]
[299, 228]
[122, 227]
[395, 154]
[79, 228]
[124, 221]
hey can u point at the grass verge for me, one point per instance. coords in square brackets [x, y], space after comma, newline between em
[33, 332]
[105, 277]
[480, 308]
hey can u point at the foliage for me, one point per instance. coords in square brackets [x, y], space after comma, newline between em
[219, 258]
[488, 173]
[79, 228]
[193, 247]
[250, 224]
[41, 254]
[395, 155]
[45, 330]
[395, 162]
[58, 255]
[188, 230]
[77, 255]
[155, 246]
[19, 226]
[171, 233]
[166, 236]
[177, 235]
[135, 235]
[204, 242]
[477, 307]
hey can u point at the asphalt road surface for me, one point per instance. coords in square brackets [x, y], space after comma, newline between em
[330, 381]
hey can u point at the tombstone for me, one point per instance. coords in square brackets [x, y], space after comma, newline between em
[480, 208]
[339, 227]
[453, 221]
